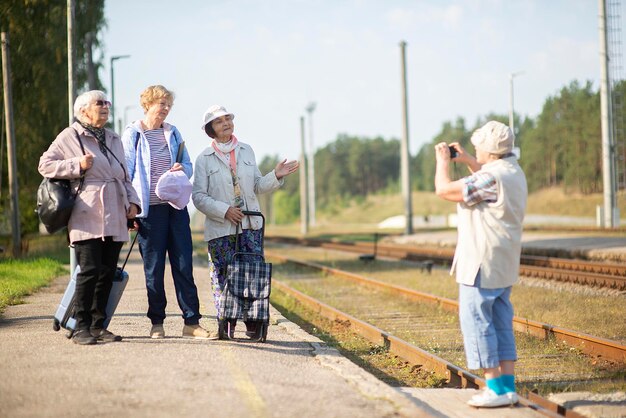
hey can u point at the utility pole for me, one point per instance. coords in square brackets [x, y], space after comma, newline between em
[70, 59]
[611, 218]
[304, 220]
[70, 93]
[8, 111]
[404, 149]
[310, 108]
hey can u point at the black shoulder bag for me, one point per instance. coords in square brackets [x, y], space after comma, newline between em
[55, 199]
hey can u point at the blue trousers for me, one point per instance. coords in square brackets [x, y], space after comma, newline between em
[486, 317]
[166, 229]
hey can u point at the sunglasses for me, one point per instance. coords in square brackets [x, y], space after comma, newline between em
[102, 103]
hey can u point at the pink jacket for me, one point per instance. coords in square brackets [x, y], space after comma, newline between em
[107, 193]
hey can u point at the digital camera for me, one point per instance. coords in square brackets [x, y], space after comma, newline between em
[453, 152]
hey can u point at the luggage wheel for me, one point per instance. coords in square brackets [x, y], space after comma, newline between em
[223, 330]
[263, 333]
[56, 325]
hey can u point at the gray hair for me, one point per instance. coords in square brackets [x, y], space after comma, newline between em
[85, 100]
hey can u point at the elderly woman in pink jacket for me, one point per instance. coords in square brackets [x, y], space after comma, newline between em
[98, 225]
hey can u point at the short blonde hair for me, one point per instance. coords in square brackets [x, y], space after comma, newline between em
[153, 93]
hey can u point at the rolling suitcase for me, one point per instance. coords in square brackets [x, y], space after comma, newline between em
[246, 291]
[63, 317]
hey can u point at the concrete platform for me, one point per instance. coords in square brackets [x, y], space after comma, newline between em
[293, 374]
[450, 403]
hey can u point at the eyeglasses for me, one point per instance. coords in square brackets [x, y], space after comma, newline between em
[102, 103]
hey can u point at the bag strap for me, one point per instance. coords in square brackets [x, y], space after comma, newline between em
[132, 244]
[181, 148]
[82, 148]
[116, 159]
[136, 145]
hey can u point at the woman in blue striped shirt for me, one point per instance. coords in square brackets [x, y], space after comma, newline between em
[151, 147]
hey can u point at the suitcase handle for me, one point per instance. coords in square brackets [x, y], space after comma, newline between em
[130, 249]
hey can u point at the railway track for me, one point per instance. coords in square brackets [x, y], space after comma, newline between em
[388, 328]
[588, 344]
[599, 274]
[455, 375]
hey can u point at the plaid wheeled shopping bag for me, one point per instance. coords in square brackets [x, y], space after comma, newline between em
[246, 291]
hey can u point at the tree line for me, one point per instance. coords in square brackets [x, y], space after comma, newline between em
[38, 53]
[561, 147]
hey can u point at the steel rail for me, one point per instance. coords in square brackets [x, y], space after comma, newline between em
[601, 274]
[574, 276]
[455, 375]
[588, 344]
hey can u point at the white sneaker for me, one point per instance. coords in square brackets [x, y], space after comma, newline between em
[489, 399]
[512, 397]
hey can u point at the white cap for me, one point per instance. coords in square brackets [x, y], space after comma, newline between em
[214, 112]
[494, 137]
[175, 188]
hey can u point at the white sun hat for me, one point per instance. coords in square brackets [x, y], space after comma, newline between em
[214, 112]
[494, 137]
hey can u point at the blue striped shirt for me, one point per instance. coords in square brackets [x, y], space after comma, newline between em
[160, 160]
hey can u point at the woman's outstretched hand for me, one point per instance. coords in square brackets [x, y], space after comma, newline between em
[284, 168]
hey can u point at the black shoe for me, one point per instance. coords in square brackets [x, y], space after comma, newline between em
[83, 337]
[105, 335]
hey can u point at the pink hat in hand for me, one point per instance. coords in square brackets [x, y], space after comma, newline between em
[175, 188]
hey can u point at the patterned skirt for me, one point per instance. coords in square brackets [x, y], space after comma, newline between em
[220, 252]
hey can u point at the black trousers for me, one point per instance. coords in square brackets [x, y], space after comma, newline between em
[97, 259]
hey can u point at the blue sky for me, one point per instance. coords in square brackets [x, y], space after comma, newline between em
[266, 60]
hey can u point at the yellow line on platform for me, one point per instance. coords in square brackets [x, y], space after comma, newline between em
[244, 385]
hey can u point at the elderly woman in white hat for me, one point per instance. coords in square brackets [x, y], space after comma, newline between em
[159, 168]
[226, 182]
[491, 206]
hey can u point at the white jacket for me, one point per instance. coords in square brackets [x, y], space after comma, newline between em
[213, 191]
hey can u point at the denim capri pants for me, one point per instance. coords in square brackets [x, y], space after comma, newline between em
[486, 317]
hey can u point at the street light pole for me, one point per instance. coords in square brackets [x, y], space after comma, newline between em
[113, 59]
[310, 108]
[511, 110]
[126, 109]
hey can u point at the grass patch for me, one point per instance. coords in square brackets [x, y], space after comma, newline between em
[377, 360]
[34, 245]
[19, 278]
